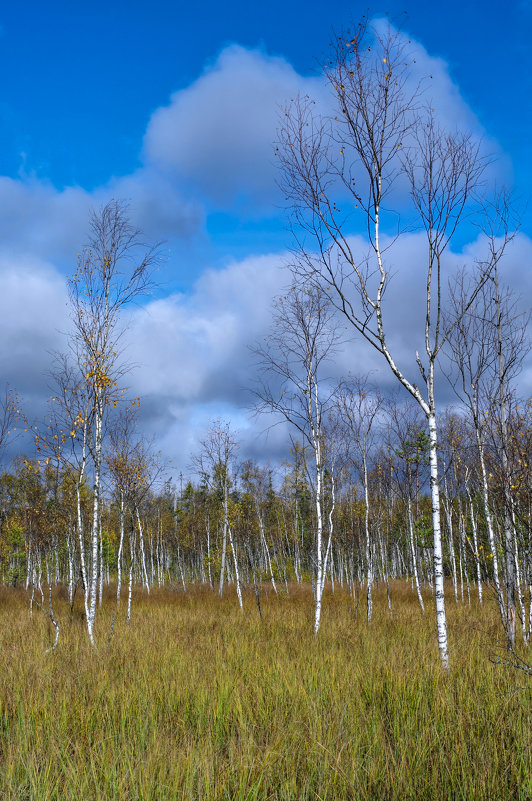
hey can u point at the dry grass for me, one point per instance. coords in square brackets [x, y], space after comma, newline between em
[194, 700]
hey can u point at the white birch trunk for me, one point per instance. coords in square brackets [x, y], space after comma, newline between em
[93, 580]
[120, 550]
[441, 621]
[369, 560]
[491, 532]
[475, 544]
[131, 565]
[101, 568]
[142, 554]
[209, 552]
[224, 548]
[237, 572]
[266, 552]
[319, 531]
[413, 555]
[70, 568]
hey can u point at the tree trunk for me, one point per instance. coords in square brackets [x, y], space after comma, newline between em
[441, 621]
[120, 549]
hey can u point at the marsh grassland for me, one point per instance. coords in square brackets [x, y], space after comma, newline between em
[194, 700]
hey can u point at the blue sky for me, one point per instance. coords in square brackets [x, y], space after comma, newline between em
[159, 102]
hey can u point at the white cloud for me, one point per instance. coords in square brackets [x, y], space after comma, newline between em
[44, 222]
[193, 355]
[218, 134]
[33, 319]
[430, 76]
[194, 348]
[158, 206]
[37, 219]
[191, 351]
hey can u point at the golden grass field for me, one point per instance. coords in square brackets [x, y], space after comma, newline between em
[194, 700]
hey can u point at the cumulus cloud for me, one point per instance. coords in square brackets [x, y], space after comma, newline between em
[430, 77]
[193, 355]
[39, 220]
[157, 204]
[218, 133]
[190, 351]
[33, 311]
[194, 347]
[33, 320]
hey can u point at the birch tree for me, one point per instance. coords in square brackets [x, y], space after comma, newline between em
[10, 415]
[112, 271]
[303, 339]
[63, 442]
[410, 448]
[257, 482]
[215, 463]
[359, 405]
[378, 140]
[485, 354]
[128, 462]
